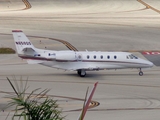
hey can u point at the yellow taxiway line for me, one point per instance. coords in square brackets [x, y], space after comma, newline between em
[148, 6]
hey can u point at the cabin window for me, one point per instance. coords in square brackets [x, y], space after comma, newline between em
[49, 54]
[108, 57]
[101, 56]
[87, 56]
[115, 57]
[94, 56]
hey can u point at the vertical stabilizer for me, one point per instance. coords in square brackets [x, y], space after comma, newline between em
[22, 43]
[86, 103]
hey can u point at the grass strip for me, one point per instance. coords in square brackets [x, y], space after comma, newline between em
[7, 51]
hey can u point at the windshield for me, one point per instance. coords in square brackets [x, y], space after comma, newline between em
[131, 57]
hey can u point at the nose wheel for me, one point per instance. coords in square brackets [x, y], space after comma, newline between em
[140, 72]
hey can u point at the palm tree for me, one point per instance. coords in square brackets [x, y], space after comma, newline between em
[32, 106]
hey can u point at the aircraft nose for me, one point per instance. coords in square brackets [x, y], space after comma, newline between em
[149, 64]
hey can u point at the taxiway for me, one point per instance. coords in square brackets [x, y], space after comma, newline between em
[92, 25]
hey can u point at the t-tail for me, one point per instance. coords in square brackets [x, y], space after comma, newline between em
[87, 102]
[25, 48]
[22, 43]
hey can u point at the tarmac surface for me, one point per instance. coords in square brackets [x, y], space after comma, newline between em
[96, 26]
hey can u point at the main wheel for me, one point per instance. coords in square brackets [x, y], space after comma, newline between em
[81, 73]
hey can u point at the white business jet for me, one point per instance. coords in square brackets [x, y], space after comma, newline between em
[80, 61]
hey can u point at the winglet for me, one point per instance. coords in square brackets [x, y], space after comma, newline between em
[86, 103]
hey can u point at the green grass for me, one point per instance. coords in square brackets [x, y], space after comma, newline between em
[7, 51]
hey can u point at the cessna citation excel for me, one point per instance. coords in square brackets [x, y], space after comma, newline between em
[80, 61]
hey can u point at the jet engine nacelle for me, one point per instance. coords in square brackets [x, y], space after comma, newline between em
[69, 56]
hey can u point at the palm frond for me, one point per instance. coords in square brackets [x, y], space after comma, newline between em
[12, 86]
[31, 107]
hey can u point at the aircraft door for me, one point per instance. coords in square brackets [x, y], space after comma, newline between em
[79, 56]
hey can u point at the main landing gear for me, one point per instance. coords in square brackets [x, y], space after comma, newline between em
[140, 72]
[81, 73]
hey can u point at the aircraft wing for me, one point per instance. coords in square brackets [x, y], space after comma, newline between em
[76, 66]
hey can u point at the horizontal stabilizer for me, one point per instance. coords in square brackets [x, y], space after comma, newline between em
[28, 49]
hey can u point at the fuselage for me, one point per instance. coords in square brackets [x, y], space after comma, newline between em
[73, 60]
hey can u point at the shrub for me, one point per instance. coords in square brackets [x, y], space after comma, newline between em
[31, 106]
[7, 51]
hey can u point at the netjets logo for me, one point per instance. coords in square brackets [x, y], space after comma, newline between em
[23, 43]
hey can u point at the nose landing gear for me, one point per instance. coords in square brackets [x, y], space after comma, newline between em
[140, 72]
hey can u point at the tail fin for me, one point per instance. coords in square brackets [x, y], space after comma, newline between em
[23, 44]
[86, 103]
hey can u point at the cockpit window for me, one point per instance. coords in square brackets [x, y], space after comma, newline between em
[132, 57]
